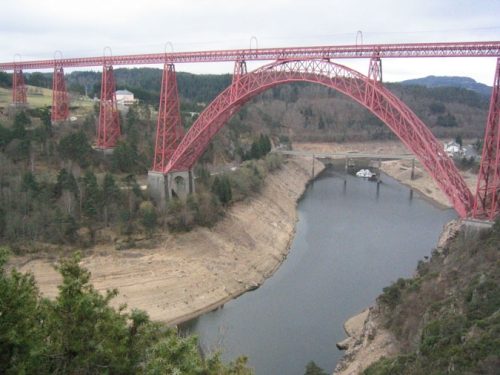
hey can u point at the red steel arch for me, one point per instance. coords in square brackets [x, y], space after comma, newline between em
[368, 92]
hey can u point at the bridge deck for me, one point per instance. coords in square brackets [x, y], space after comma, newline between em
[404, 50]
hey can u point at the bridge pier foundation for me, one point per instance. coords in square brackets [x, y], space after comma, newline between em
[164, 187]
[157, 187]
[471, 227]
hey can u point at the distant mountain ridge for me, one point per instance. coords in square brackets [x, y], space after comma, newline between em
[465, 82]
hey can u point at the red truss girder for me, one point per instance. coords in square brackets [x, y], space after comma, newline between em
[240, 69]
[60, 103]
[412, 50]
[400, 119]
[169, 130]
[109, 117]
[487, 193]
[19, 88]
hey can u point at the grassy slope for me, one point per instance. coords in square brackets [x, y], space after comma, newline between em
[37, 98]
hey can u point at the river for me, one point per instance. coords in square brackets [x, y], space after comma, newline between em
[352, 240]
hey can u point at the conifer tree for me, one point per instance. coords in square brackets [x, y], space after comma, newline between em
[313, 369]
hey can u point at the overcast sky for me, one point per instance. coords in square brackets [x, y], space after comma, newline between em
[35, 29]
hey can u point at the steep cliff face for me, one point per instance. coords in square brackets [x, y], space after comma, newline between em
[186, 275]
[368, 341]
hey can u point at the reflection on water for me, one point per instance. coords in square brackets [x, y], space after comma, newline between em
[352, 239]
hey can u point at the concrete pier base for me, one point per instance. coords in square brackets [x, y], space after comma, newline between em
[157, 187]
[15, 108]
[471, 227]
[180, 184]
[163, 188]
[105, 150]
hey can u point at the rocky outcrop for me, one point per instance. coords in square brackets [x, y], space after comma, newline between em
[368, 341]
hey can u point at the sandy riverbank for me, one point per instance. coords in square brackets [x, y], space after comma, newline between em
[188, 274]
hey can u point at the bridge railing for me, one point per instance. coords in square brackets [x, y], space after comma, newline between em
[413, 50]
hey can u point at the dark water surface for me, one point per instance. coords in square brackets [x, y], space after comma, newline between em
[352, 240]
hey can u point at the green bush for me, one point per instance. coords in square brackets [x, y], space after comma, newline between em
[483, 299]
[392, 294]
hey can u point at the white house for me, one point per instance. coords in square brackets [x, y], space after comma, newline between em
[125, 98]
[452, 148]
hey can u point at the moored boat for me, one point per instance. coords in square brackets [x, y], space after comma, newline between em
[365, 173]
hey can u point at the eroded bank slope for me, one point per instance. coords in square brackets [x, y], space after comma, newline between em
[195, 272]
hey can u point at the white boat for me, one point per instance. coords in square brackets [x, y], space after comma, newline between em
[365, 173]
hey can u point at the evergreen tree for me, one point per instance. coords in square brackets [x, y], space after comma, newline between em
[91, 195]
[321, 123]
[29, 183]
[86, 335]
[21, 119]
[21, 321]
[46, 120]
[149, 220]
[110, 193]
[255, 151]
[5, 80]
[62, 177]
[71, 185]
[447, 120]
[126, 158]
[80, 333]
[221, 188]
[5, 137]
[76, 147]
[313, 369]
[227, 194]
[267, 145]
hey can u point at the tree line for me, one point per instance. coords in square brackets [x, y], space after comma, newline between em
[197, 91]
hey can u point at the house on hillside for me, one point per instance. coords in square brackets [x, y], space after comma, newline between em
[125, 98]
[452, 149]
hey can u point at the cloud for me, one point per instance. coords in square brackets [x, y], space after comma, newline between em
[35, 30]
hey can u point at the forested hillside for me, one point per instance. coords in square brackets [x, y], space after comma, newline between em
[449, 106]
[56, 189]
[446, 319]
[58, 194]
[308, 112]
